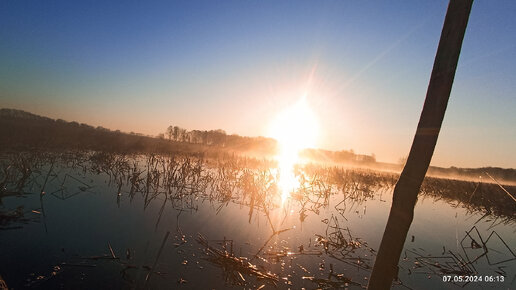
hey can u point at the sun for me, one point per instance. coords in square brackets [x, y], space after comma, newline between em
[295, 129]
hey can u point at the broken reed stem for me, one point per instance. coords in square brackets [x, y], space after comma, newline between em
[46, 179]
[268, 240]
[111, 250]
[510, 195]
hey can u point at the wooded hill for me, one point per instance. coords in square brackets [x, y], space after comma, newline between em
[21, 130]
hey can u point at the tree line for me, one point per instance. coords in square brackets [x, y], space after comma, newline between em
[220, 138]
[211, 137]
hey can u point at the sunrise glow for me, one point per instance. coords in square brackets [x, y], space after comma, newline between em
[295, 128]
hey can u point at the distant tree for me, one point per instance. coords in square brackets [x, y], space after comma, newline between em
[170, 132]
[204, 137]
[175, 133]
[195, 136]
[217, 137]
[182, 135]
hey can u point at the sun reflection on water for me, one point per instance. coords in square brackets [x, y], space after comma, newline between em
[287, 182]
[295, 129]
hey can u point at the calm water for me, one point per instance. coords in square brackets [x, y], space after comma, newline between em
[88, 207]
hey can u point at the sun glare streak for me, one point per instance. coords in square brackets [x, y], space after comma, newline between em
[295, 129]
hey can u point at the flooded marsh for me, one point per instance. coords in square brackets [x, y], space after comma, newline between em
[97, 220]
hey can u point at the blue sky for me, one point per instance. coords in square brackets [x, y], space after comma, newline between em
[234, 65]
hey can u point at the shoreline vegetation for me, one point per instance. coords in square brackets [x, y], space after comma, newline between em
[20, 169]
[24, 131]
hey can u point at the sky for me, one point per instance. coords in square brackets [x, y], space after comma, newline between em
[364, 67]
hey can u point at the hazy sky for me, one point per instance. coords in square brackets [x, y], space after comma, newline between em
[234, 65]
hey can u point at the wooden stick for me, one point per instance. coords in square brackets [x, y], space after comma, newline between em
[408, 185]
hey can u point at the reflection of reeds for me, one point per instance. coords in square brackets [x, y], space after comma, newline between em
[184, 177]
[147, 278]
[181, 180]
[474, 247]
[234, 267]
[339, 244]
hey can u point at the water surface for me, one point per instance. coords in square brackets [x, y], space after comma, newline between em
[325, 235]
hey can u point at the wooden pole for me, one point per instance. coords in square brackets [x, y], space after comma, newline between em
[406, 190]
